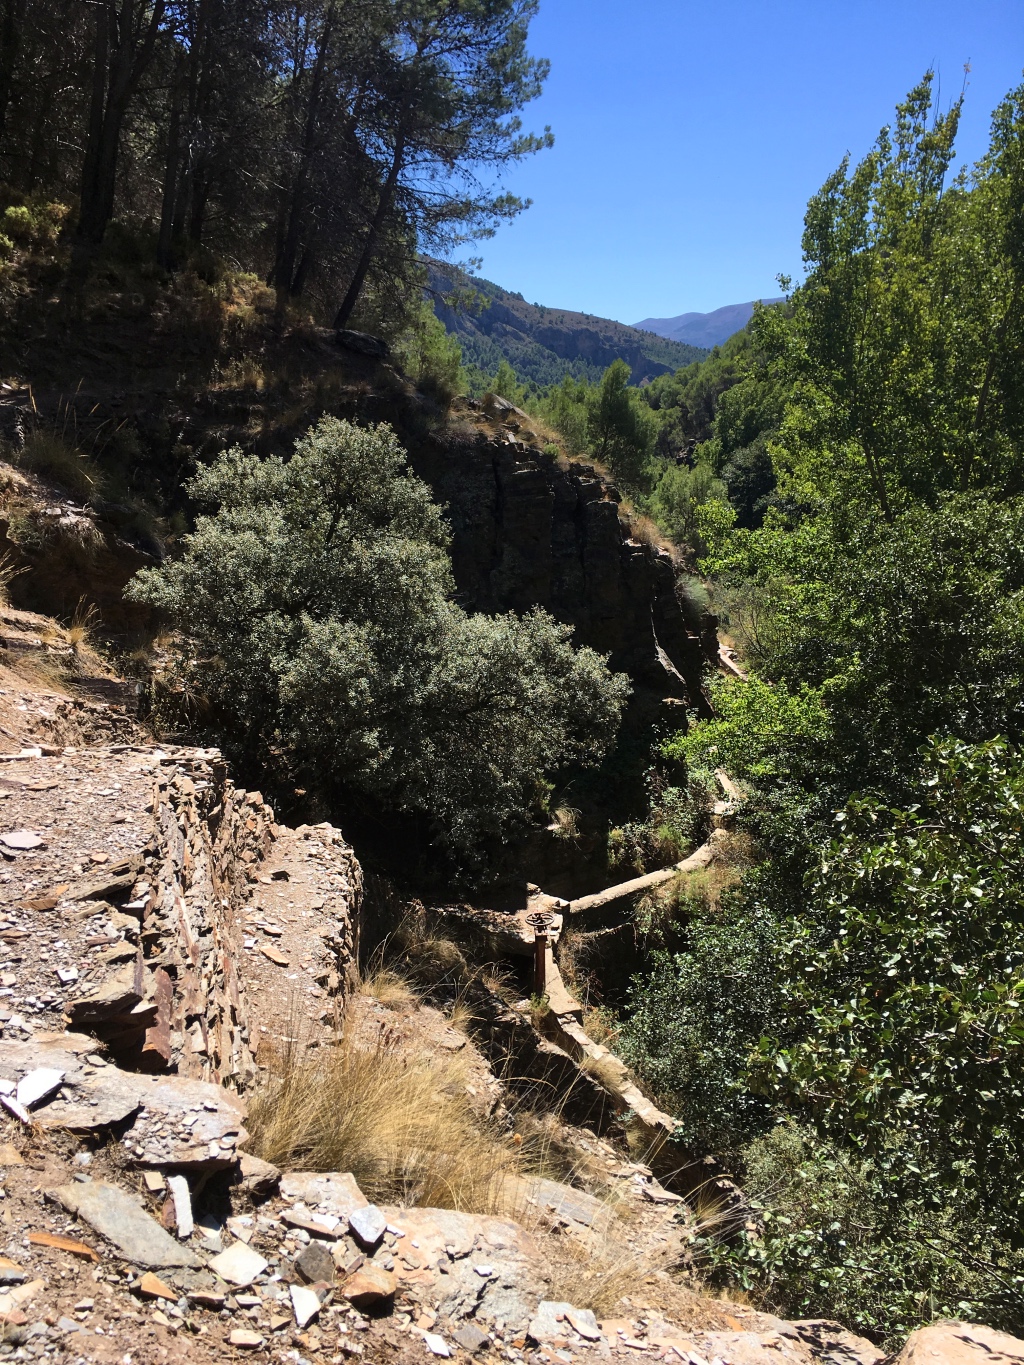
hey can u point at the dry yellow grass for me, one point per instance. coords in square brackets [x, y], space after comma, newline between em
[402, 1124]
[389, 988]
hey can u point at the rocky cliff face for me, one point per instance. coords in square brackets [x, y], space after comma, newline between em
[532, 530]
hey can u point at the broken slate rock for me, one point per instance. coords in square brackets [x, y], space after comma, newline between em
[584, 1322]
[11, 1272]
[305, 1305]
[152, 1287]
[247, 1340]
[370, 1285]
[114, 997]
[258, 1177]
[315, 1263]
[368, 1224]
[550, 1323]
[239, 1265]
[119, 1218]
[470, 1338]
[336, 1194]
[39, 1085]
[21, 839]
[178, 1186]
[187, 1123]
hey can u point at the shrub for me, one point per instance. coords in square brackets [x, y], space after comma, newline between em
[317, 604]
[831, 1241]
[694, 1017]
[691, 506]
[430, 356]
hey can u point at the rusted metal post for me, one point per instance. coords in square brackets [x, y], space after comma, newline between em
[540, 922]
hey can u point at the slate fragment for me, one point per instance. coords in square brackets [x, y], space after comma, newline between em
[119, 1218]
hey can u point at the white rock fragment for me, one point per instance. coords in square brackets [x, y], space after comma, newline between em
[435, 1344]
[180, 1193]
[239, 1265]
[13, 1107]
[39, 1085]
[21, 838]
[305, 1304]
[368, 1224]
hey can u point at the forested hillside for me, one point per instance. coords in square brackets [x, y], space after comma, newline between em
[542, 345]
[459, 593]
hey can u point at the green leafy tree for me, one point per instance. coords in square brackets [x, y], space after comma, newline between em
[316, 604]
[620, 427]
[691, 506]
[904, 334]
[908, 974]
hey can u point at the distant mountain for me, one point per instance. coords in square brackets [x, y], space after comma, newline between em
[703, 329]
[544, 344]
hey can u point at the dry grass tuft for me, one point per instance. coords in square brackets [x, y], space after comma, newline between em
[9, 571]
[403, 1126]
[389, 989]
[460, 1015]
[565, 823]
[47, 453]
[79, 634]
[588, 1280]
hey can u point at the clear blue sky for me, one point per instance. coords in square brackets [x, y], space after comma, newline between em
[689, 136]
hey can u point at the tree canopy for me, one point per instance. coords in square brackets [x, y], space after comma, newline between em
[316, 601]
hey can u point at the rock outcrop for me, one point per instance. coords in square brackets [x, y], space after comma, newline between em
[529, 529]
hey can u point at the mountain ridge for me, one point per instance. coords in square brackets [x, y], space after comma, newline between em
[544, 344]
[703, 329]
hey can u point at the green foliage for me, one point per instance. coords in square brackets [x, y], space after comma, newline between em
[506, 385]
[620, 427]
[833, 1241]
[693, 1017]
[681, 504]
[903, 338]
[881, 584]
[760, 732]
[317, 604]
[908, 971]
[430, 356]
[723, 410]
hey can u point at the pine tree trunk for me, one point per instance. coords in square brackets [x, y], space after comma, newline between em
[384, 203]
[163, 250]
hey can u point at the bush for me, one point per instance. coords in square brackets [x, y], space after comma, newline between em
[691, 506]
[317, 605]
[832, 1242]
[693, 1019]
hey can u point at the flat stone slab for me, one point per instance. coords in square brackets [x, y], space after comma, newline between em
[368, 1224]
[178, 1121]
[120, 1218]
[239, 1265]
[336, 1194]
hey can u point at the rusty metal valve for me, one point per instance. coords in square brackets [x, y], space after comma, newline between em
[540, 922]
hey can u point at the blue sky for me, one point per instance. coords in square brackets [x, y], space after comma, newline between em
[689, 136]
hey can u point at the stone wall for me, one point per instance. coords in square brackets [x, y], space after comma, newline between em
[209, 841]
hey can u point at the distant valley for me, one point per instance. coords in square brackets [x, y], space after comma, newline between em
[702, 329]
[543, 344]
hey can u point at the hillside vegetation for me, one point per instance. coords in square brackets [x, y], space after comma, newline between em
[845, 1019]
[542, 345]
[198, 202]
